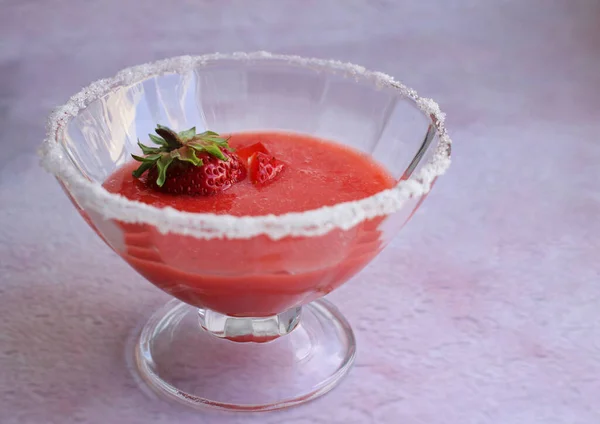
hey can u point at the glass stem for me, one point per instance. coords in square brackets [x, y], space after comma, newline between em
[248, 329]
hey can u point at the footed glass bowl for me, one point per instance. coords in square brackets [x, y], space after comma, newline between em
[247, 329]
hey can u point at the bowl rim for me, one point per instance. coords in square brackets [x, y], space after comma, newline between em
[91, 196]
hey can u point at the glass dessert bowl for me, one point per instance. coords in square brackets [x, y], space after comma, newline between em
[248, 328]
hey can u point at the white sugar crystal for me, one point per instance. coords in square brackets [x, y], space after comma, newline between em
[92, 196]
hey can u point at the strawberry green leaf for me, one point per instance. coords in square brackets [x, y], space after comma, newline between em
[149, 158]
[223, 142]
[142, 168]
[157, 140]
[187, 154]
[196, 146]
[208, 133]
[215, 151]
[163, 163]
[214, 139]
[148, 150]
[187, 134]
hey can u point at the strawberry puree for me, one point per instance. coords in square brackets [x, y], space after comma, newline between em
[259, 276]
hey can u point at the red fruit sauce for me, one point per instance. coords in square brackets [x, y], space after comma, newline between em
[259, 276]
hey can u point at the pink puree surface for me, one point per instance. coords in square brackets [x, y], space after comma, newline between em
[317, 173]
[484, 310]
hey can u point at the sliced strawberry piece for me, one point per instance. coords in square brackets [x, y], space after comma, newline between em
[245, 153]
[264, 168]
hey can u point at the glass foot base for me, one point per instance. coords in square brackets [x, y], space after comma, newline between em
[178, 357]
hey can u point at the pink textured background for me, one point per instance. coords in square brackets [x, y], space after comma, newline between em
[485, 310]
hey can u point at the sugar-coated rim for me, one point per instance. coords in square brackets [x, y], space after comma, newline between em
[91, 196]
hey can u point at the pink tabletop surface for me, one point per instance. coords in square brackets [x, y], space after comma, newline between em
[486, 309]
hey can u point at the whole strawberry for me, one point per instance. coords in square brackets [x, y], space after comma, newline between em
[189, 163]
